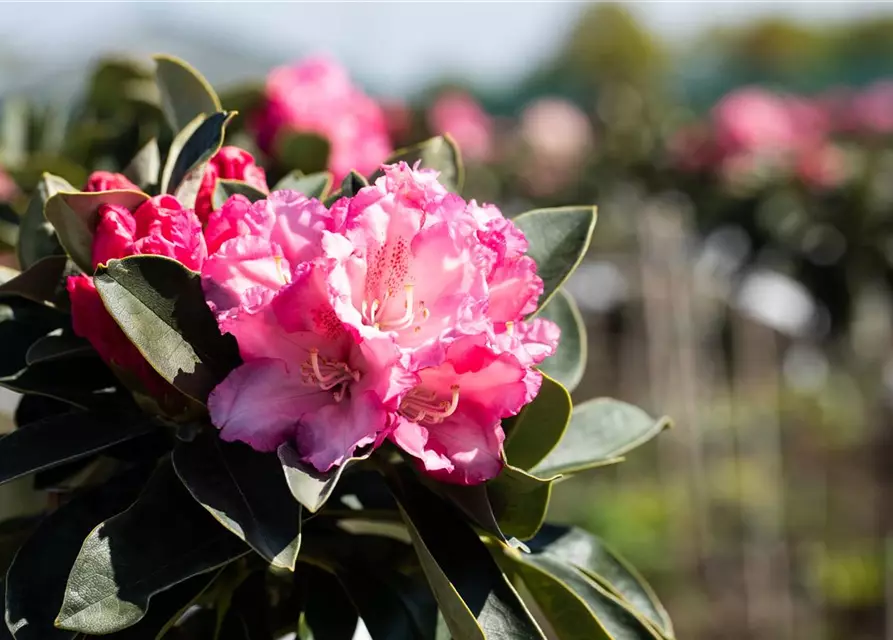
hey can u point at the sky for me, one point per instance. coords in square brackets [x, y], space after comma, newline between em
[393, 47]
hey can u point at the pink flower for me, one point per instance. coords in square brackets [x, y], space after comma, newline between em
[317, 96]
[230, 163]
[822, 167]
[8, 188]
[108, 181]
[459, 114]
[159, 226]
[871, 111]
[753, 120]
[398, 313]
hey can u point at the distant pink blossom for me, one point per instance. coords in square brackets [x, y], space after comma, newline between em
[871, 110]
[822, 167]
[317, 96]
[461, 116]
[753, 120]
[108, 181]
[8, 188]
[397, 313]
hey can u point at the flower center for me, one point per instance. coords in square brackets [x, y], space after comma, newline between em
[380, 312]
[423, 407]
[328, 374]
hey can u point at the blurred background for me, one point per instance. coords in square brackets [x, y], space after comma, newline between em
[741, 278]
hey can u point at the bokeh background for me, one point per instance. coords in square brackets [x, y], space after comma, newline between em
[741, 155]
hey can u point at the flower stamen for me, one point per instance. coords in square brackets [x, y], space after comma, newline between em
[422, 407]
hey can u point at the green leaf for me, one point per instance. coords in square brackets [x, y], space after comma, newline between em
[590, 554]
[160, 305]
[519, 501]
[37, 238]
[315, 185]
[226, 188]
[49, 443]
[618, 620]
[476, 599]
[330, 613]
[439, 153]
[568, 363]
[43, 282]
[558, 239]
[145, 166]
[185, 94]
[36, 578]
[75, 216]
[540, 426]
[163, 539]
[600, 431]
[308, 486]
[474, 502]
[307, 152]
[351, 184]
[81, 382]
[23, 322]
[56, 346]
[190, 152]
[245, 491]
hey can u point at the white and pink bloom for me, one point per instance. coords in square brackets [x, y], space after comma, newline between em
[395, 314]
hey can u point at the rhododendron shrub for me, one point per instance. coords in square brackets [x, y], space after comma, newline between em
[259, 410]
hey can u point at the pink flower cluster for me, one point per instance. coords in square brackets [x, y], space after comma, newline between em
[461, 116]
[159, 226]
[397, 314]
[753, 129]
[317, 96]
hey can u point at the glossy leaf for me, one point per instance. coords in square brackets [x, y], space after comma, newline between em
[308, 486]
[140, 552]
[568, 363]
[439, 153]
[351, 184]
[185, 94]
[57, 346]
[306, 152]
[189, 154]
[540, 426]
[36, 579]
[519, 501]
[82, 382]
[43, 282]
[226, 188]
[315, 185]
[144, 168]
[474, 502]
[476, 599]
[23, 322]
[49, 442]
[600, 431]
[558, 239]
[37, 237]
[590, 554]
[75, 216]
[618, 620]
[245, 491]
[160, 305]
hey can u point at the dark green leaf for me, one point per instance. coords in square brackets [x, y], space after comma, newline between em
[306, 152]
[439, 153]
[43, 282]
[567, 364]
[36, 579]
[616, 617]
[247, 615]
[166, 608]
[474, 502]
[189, 154]
[81, 382]
[351, 184]
[244, 98]
[315, 185]
[57, 346]
[245, 491]
[49, 442]
[558, 238]
[519, 501]
[75, 215]
[308, 486]
[160, 305]
[162, 540]
[185, 94]
[600, 431]
[227, 188]
[330, 613]
[540, 426]
[475, 597]
[22, 322]
[567, 613]
[590, 554]
[145, 166]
